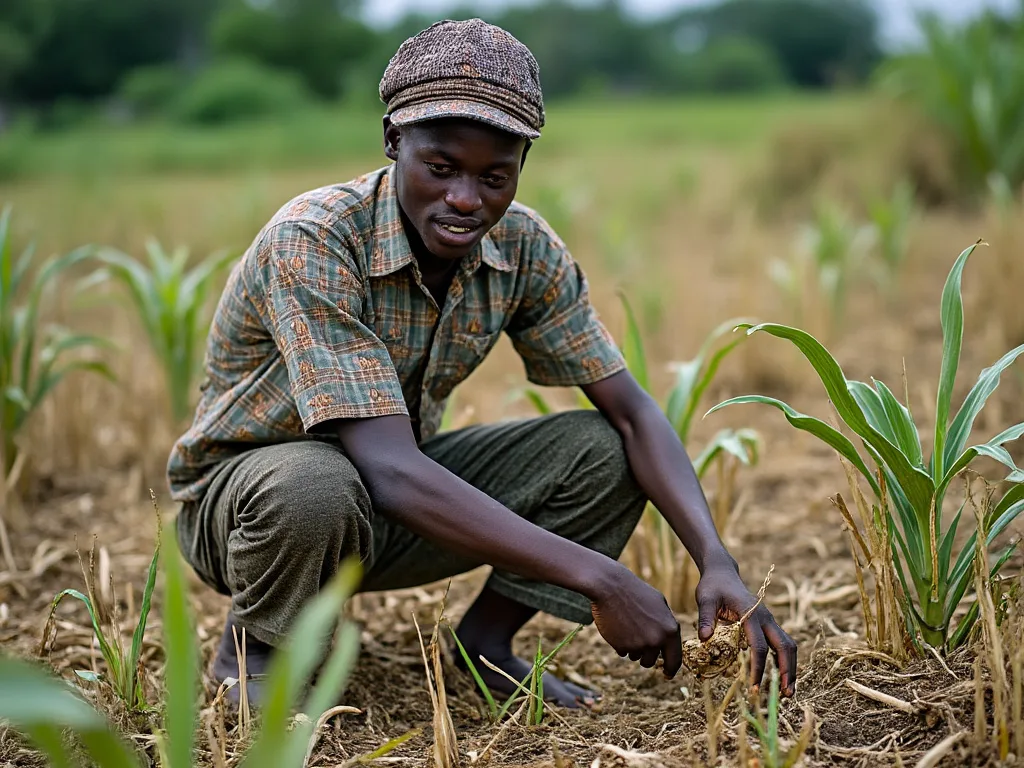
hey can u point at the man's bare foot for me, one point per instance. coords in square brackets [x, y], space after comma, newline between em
[225, 664]
[561, 692]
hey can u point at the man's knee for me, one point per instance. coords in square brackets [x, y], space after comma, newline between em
[304, 493]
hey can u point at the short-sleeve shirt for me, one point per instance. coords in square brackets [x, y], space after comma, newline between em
[325, 316]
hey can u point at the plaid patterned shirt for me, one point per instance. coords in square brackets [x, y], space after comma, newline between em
[325, 317]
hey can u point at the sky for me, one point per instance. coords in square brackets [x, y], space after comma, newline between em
[897, 16]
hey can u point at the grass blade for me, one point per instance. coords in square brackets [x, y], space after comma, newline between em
[907, 437]
[492, 705]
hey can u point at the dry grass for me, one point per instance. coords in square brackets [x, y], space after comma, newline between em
[95, 448]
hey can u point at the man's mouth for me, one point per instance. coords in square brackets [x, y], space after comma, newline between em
[456, 235]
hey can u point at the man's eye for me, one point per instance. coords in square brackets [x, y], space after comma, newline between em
[495, 181]
[439, 169]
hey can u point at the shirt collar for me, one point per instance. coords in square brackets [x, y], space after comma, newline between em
[391, 250]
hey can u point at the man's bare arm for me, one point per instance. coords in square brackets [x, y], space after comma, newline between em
[664, 471]
[421, 495]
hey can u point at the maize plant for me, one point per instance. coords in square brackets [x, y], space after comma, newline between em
[44, 708]
[891, 217]
[171, 301]
[904, 526]
[33, 358]
[831, 250]
[654, 552]
[970, 82]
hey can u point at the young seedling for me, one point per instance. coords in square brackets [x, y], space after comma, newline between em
[766, 726]
[33, 358]
[170, 299]
[532, 685]
[908, 489]
[124, 670]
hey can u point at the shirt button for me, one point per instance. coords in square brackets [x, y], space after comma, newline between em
[374, 394]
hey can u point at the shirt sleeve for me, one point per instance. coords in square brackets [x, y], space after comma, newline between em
[312, 304]
[556, 330]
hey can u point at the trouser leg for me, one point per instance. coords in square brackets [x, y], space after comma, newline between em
[566, 473]
[272, 529]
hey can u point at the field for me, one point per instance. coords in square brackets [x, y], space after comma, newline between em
[681, 206]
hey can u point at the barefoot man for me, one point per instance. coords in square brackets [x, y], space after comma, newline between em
[336, 343]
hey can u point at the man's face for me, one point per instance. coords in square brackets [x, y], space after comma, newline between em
[456, 178]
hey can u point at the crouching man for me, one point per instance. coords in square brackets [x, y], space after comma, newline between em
[337, 340]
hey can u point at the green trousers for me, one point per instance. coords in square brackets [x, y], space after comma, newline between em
[276, 521]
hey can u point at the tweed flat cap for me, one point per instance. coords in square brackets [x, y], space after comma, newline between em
[468, 69]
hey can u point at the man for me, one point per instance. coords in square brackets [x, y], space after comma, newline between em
[339, 336]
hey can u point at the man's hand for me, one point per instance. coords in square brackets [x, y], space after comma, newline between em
[721, 594]
[635, 620]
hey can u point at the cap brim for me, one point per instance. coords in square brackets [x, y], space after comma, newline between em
[472, 110]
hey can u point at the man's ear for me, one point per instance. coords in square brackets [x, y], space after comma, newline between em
[392, 136]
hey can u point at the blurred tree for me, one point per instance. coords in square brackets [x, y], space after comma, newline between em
[81, 48]
[315, 39]
[818, 43]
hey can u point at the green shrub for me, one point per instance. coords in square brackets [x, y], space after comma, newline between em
[970, 82]
[151, 90]
[236, 90]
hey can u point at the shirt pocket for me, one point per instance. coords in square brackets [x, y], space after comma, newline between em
[459, 357]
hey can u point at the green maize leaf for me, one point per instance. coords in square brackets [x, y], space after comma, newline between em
[330, 683]
[293, 664]
[6, 257]
[17, 396]
[182, 671]
[832, 437]
[537, 400]
[46, 384]
[112, 659]
[952, 318]
[963, 423]
[915, 482]
[633, 347]
[870, 403]
[20, 270]
[681, 396]
[993, 449]
[196, 282]
[911, 523]
[705, 381]
[743, 444]
[690, 385]
[35, 702]
[49, 740]
[49, 271]
[147, 601]
[907, 437]
[961, 575]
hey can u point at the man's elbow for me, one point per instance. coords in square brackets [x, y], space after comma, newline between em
[393, 485]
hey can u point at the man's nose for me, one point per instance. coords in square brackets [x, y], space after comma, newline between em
[463, 196]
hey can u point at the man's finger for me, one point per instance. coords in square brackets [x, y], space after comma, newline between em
[672, 653]
[707, 613]
[650, 657]
[785, 652]
[758, 650]
[635, 655]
